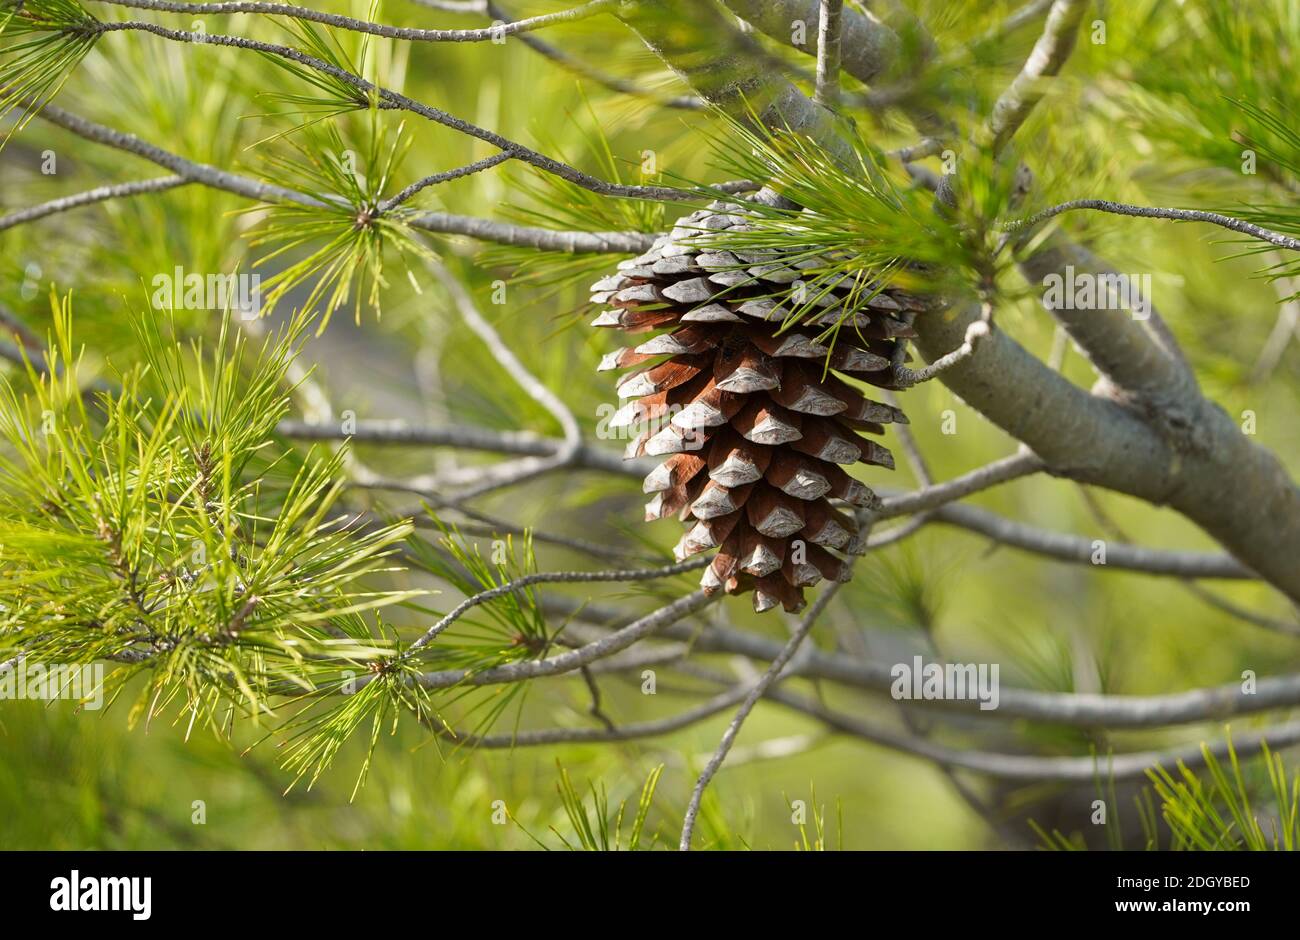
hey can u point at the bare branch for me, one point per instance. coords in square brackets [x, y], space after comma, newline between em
[528, 466]
[929, 497]
[1072, 709]
[1157, 212]
[1288, 627]
[1081, 550]
[628, 732]
[524, 443]
[568, 661]
[756, 691]
[544, 239]
[1131, 766]
[911, 450]
[477, 166]
[975, 332]
[582, 12]
[89, 197]
[938, 499]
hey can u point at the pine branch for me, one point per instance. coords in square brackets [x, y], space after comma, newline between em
[489, 34]
[439, 222]
[389, 99]
[552, 577]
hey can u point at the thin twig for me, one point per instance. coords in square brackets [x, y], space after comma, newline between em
[756, 691]
[915, 459]
[90, 197]
[1289, 627]
[477, 166]
[396, 100]
[490, 34]
[467, 437]
[552, 577]
[1067, 709]
[1157, 212]
[929, 497]
[976, 331]
[527, 467]
[1074, 548]
[1129, 766]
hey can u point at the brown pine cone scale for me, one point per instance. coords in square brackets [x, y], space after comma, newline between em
[750, 413]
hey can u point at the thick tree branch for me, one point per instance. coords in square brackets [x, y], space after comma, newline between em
[829, 25]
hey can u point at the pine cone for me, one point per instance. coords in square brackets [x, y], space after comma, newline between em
[753, 426]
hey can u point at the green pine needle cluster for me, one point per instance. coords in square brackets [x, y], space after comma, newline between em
[508, 629]
[330, 96]
[336, 247]
[41, 42]
[1220, 810]
[595, 828]
[159, 524]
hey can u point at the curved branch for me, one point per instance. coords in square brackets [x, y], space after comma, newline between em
[478, 166]
[929, 497]
[1131, 766]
